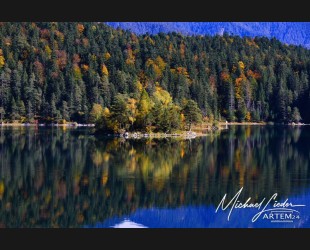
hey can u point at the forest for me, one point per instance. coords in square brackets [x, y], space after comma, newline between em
[90, 72]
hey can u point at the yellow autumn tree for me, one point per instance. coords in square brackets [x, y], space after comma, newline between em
[160, 63]
[2, 188]
[132, 110]
[2, 60]
[144, 107]
[139, 86]
[48, 51]
[149, 62]
[241, 66]
[85, 67]
[238, 86]
[158, 66]
[96, 113]
[106, 56]
[145, 103]
[248, 117]
[180, 71]
[162, 95]
[104, 70]
[77, 72]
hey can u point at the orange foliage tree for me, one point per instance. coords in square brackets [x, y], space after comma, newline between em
[80, 28]
[39, 70]
[104, 70]
[61, 59]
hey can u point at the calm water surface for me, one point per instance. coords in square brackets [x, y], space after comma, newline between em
[51, 177]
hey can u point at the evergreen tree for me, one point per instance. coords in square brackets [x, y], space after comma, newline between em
[14, 110]
[119, 115]
[296, 115]
[192, 113]
[65, 111]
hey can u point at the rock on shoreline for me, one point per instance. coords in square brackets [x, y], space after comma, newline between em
[140, 135]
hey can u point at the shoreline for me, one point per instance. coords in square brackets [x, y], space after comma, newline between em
[264, 123]
[202, 130]
[138, 135]
[69, 124]
[243, 123]
[75, 124]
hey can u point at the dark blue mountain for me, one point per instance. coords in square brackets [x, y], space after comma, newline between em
[297, 33]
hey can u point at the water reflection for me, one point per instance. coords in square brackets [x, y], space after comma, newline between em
[70, 178]
[202, 216]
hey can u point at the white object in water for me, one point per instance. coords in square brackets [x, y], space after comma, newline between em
[128, 224]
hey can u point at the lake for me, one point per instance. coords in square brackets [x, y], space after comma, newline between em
[55, 177]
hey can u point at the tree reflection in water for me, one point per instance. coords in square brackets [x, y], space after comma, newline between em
[69, 178]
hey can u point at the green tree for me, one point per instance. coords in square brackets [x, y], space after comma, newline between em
[53, 109]
[192, 113]
[158, 115]
[14, 110]
[2, 113]
[171, 119]
[241, 110]
[296, 115]
[119, 113]
[65, 111]
[104, 89]
[5, 78]
[96, 113]
[21, 108]
[29, 111]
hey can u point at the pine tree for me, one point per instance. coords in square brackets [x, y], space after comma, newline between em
[231, 104]
[21, 108]
[14, 110]
[29, 111]
[2, 113]
[296, 115]
[53, 109]
[119, 114]
[192, 113]
[65, 111]
[158, 115]
[104, 88]
[5, 79]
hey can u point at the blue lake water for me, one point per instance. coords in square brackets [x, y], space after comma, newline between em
[51, 177]
[205, 217]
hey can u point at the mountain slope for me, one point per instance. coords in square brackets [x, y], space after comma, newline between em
[297, 33]
[72, 71]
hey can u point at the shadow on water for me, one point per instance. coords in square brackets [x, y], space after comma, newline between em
[70, 178]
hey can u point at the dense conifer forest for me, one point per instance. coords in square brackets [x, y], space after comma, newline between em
[90, 72]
